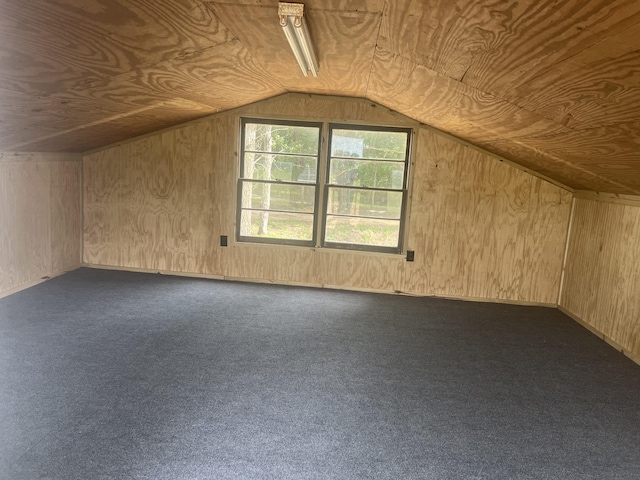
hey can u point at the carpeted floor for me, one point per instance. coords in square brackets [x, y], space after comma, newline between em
[116, 375]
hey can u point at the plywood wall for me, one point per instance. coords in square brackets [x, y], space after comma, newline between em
[40, 217]
[480, 228]
[602, 281]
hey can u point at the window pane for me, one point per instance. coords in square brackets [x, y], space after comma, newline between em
[368, 144]
[288, 226]
[275, 196]
[286, 168]
[365, 173]
[362, 231]
[261, 137]
[364, 203]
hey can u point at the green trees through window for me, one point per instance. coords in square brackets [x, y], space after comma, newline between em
[362, 187]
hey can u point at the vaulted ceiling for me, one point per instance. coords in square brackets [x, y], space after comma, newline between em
[553, 85]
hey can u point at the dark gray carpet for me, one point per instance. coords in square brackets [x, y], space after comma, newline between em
[115, 375]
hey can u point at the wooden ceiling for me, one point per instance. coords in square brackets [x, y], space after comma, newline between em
[553, 85]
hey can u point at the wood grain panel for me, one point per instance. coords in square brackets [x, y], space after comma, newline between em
[40, 218]
[522, 136]
[124, 57]
[601, 281]
[576, 177]
[55, 118]
[545, 238]
[573, 63]
[496, 45]
[25, 250]
[114, 129]
[507, 235]
[144, 100]
[222, 77]
[345, 44]
[101, 182]
[161, 203]
[454, 33]
[54, 46]
[549, 85]
[326, 268]
[360, 271]
[447, 104]
[66, 215]
[443, 101]
[595, 159]
[596, 87]
[270, 264]
[476, 226]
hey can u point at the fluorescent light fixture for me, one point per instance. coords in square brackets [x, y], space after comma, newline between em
[295, 29]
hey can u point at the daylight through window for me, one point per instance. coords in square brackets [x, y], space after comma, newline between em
[362, 192]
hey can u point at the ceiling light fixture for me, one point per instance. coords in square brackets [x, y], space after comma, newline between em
[295, 29]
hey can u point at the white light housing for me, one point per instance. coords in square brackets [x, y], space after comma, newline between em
[295, 29]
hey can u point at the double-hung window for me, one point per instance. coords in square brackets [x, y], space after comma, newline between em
[278, 185]
[351, 194]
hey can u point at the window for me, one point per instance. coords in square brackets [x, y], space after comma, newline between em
[362, 188]
[278, 187]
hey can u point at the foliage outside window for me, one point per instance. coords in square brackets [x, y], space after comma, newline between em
[363, 190]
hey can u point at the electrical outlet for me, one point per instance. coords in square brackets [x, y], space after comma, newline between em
[223, 241]
[410, 255]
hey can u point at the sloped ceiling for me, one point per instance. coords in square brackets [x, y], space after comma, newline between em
[551, 84]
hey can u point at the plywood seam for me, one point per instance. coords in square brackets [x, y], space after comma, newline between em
[221, 114]
[95, 123]
[373, 54]
[236, 37]
[566, 252]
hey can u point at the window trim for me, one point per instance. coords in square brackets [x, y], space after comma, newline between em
[322, 185]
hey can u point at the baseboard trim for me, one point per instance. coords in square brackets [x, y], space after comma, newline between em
[600, 335]
[33, 283]
[156, 271]
[320, 285]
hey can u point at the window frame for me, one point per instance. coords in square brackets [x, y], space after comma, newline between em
[241, 179]
[404, 190]
[322, 184]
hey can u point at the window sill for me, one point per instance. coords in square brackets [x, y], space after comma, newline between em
[341, 251]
